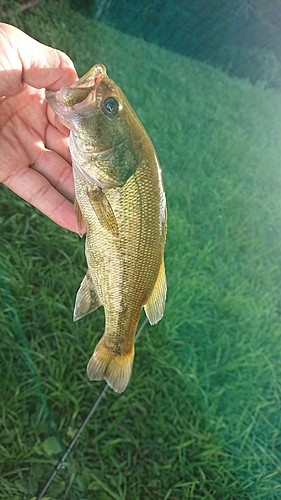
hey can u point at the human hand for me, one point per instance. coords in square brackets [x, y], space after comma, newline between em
[35, 161]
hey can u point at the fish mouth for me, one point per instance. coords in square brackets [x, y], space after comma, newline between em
[67, 97]
[78, 91]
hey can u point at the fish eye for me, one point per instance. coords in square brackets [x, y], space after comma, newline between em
[110, 106]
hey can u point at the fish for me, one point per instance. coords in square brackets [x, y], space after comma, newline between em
[119, 194]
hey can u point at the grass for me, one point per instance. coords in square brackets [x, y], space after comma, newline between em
[201, 416]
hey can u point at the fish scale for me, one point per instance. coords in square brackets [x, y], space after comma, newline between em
[120, 195]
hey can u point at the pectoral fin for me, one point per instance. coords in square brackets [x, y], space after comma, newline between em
[87, 299]
[103, 210]
[154, 308]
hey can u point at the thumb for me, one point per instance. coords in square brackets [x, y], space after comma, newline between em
[23, 60]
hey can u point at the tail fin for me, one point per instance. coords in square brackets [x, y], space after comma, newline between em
[116, 369]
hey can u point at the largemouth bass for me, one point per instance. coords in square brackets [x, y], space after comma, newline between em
[119, 193]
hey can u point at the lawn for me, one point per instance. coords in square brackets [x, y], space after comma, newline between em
[200, 418]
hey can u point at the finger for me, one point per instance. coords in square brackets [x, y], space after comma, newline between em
[56, 170]
[54, 120]
[57, 142]
[36, 190]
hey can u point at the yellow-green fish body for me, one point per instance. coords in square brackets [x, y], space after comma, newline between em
[120, 194]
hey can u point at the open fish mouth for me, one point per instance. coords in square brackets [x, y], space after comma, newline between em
[78, 91]
[67, 97]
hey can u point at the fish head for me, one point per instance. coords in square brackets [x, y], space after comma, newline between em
[104, 127]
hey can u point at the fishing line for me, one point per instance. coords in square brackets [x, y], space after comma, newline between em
[73, 442]
[80, 430]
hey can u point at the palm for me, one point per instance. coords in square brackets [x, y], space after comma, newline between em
[34, 156]
[25, 138]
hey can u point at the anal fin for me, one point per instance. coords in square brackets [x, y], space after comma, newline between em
[87, 299]
[154, 308]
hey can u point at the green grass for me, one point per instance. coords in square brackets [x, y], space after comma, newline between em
[201, 415]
